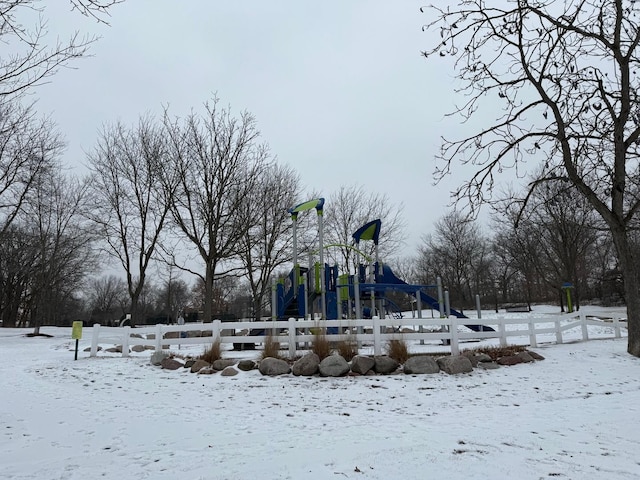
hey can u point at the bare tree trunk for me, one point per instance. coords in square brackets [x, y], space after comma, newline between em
[631, 289]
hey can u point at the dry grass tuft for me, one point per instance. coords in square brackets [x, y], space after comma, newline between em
[397, 349]
[497, 352]
[320, 345]
[347, 349]
[213, 353]
[271, 347]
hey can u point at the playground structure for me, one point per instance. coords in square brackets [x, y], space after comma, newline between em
[319, 291]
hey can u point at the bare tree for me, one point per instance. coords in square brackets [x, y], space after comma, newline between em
[457, 252]
[566, 75]
[218, 162]
[32, 60]
[108, 298]
[29, 147]
[131, 198]
[349, 208]
[266, 246]
[63, 247]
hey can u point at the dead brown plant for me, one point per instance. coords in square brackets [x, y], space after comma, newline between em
[347, 349]
[271, 347]
[398, 350]
[320, 345]
[212, 353]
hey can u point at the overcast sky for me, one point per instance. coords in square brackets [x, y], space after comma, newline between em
[339, 88]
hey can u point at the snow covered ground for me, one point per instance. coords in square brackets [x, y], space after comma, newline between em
[571, 416]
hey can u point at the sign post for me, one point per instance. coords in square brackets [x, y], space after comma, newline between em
[567, 286]
[76, 334]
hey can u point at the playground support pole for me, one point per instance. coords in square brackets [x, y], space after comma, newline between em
[274, 300]
[447, 305]
[440, 297]
[322, 269]
[479, 311]
[419, 306]
[296, 270]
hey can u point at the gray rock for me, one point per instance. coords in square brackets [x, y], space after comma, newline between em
[307, 365]
[455, 364]
[273, 366]
[222, 363]
[362, 364]
[189, 363]
[333, 366]
[199, 365]
[157, 357]
[510, 360]
[488, 365]
[207, 371]
[246, 365]
[525, 356]
[385, 364]
[535, 355]
[476, 358]
[137, 348]
[421, 364]
[229, 372]
[171, 364]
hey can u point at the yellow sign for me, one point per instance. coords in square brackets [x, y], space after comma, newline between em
[76, 330]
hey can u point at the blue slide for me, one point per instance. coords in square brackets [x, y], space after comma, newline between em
[389, 277]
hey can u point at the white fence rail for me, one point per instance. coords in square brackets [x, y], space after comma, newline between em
[294, 334]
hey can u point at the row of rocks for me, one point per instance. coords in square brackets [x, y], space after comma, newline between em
[336, 366]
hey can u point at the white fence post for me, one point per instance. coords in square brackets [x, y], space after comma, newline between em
[616, 326]
[94, 340]
[453, 330]
[215, 331]
[503, 331]
[125, 340]
[585, 330]
[377, 338]
[158, 337]
[533, 341]
[292, 338]
[558, 331]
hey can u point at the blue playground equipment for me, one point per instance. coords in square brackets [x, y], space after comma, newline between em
[321, 290]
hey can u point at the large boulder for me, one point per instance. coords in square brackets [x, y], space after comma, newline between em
[385, 364]
[273, 366]
[246, 365]
[307, 365]
[525, 356]
[158, 357]
[171, 364]
[535, 355]
[199, 365]
[488, 366]
[455, 364]
[333, 366]
[222, 363]
[229, 372]
[510, 360]
[362, 364]
[421, 364]
[476, 358]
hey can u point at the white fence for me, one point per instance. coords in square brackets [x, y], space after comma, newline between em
[295, 334]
